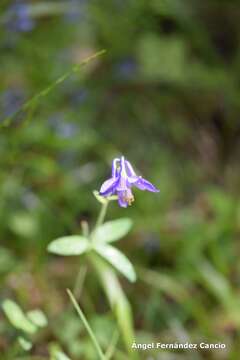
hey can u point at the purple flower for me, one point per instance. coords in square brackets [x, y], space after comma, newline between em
[10, 102]
[121, 182]
[19, 17]
[126, 68]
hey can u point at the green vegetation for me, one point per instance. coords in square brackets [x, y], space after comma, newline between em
[83, 82]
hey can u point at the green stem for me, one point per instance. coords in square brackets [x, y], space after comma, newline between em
[102, 214]
[28, 104]
[78, 286]
[79, 281]
[85, 228]
[86, 324]
[83, 270]
[112, 347]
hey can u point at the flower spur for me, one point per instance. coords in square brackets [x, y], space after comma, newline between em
[121, 182]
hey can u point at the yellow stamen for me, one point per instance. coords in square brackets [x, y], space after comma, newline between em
[129, 199]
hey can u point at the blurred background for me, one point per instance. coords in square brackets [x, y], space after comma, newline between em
[166, 95]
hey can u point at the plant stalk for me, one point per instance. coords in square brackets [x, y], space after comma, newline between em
[101, 215]
[87, 326]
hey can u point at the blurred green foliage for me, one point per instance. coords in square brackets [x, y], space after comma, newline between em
[166, 95]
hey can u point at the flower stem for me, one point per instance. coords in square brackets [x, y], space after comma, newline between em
[86, 324]
[112, 346]
[80, 281]
[102, 214]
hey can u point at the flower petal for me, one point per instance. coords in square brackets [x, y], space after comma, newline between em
[131, 180]
[143, 184]
[122, 200]
[115, 170]
[129, 169]
[108, 187]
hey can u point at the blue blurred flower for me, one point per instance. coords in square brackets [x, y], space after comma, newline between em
[62, 127]
[19, 17]
[78, 97]
[29, 199]
[126, 68]
[10, 102]
[121, 182]
[77, 10]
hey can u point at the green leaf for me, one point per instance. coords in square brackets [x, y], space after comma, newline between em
[59, 355]
[112, 230]
[69, 245]
[162, 58]
[17, 317]
[56, 353]
[37, 317]
[7, 260]
[23, 224]
[118, 301]
[117, 259]
[24, 343]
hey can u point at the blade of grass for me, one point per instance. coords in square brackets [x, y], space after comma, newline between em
[87, 326]
[117, 300]
[112, 346]
[35, 99]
